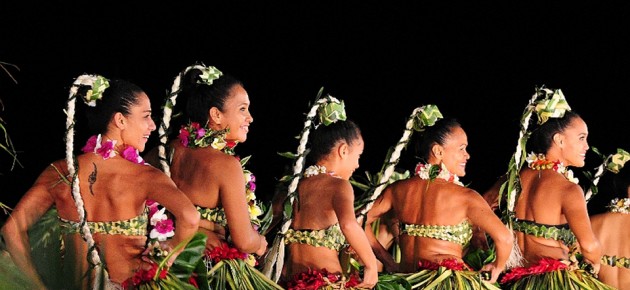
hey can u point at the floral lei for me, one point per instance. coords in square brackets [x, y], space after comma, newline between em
[431, 172]
[539, 162]
[620, 205]
[318, 169]
[195, 136]
[108, 149]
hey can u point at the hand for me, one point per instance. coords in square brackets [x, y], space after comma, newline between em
[493, 270]
[595, 269]
[370, 278]
[263, 246]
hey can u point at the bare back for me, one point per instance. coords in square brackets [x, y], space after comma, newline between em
[420, 202]
[107, 197]
[210, 179]
[610, 230]
[543, 200]
[314, 210]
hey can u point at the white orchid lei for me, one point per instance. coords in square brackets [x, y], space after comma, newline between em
[539, 162]
[618, 205]
[318, 169]
[428, 171]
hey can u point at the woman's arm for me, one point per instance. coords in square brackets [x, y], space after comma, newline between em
[576, 213]
[165, 192]
[31, 207]
[232, 196]
[343, 205]
[381, 206]
[481, 215]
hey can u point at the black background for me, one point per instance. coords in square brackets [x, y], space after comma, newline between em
[477, 62]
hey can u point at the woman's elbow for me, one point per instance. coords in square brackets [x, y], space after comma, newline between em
[190, 217]
[505, 238]
[592, 247]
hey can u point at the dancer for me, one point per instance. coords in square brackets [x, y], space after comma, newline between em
[203, 164]
[322, 199]
[546, 205]
[609, 226]
[437, 213]
[100, 195]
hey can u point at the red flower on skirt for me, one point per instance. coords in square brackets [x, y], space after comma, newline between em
[451, 264]
[545, 265]
[314, 279]
[142, 276]
[225, 252]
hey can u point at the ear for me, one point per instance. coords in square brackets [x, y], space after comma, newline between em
[558, 139]
[438, 151]
[120, 120]
[215, 115]
[343, 149]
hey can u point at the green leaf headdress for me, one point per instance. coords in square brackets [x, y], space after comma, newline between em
[327, 110]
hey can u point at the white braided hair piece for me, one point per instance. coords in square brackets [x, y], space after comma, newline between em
[169, 103]
[612, 162]
[394, 158]
[598, 174]
[275, 256]
[93, 256]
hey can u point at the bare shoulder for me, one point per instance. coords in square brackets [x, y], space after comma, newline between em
[151, 174]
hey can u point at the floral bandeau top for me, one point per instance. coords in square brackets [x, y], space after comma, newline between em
[136, 226]
[331, 237]
[460, 234]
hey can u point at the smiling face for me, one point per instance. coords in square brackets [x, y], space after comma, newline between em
[138, 124]
[453, 152]
[236, 115]
[573, 144]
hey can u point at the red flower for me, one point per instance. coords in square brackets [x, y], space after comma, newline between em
[451, 264]
[545, 265]
[142, 276]
[183, 136]
[193, 281]
[231, 144]
[225, 252]
[314, 279]
[353, 281]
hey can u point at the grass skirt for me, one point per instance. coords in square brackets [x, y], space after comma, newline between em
[448, 274]
[228, 268]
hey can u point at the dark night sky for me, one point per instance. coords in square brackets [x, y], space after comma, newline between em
[479, 63]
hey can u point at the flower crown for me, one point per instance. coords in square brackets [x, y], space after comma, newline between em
[97, 85]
